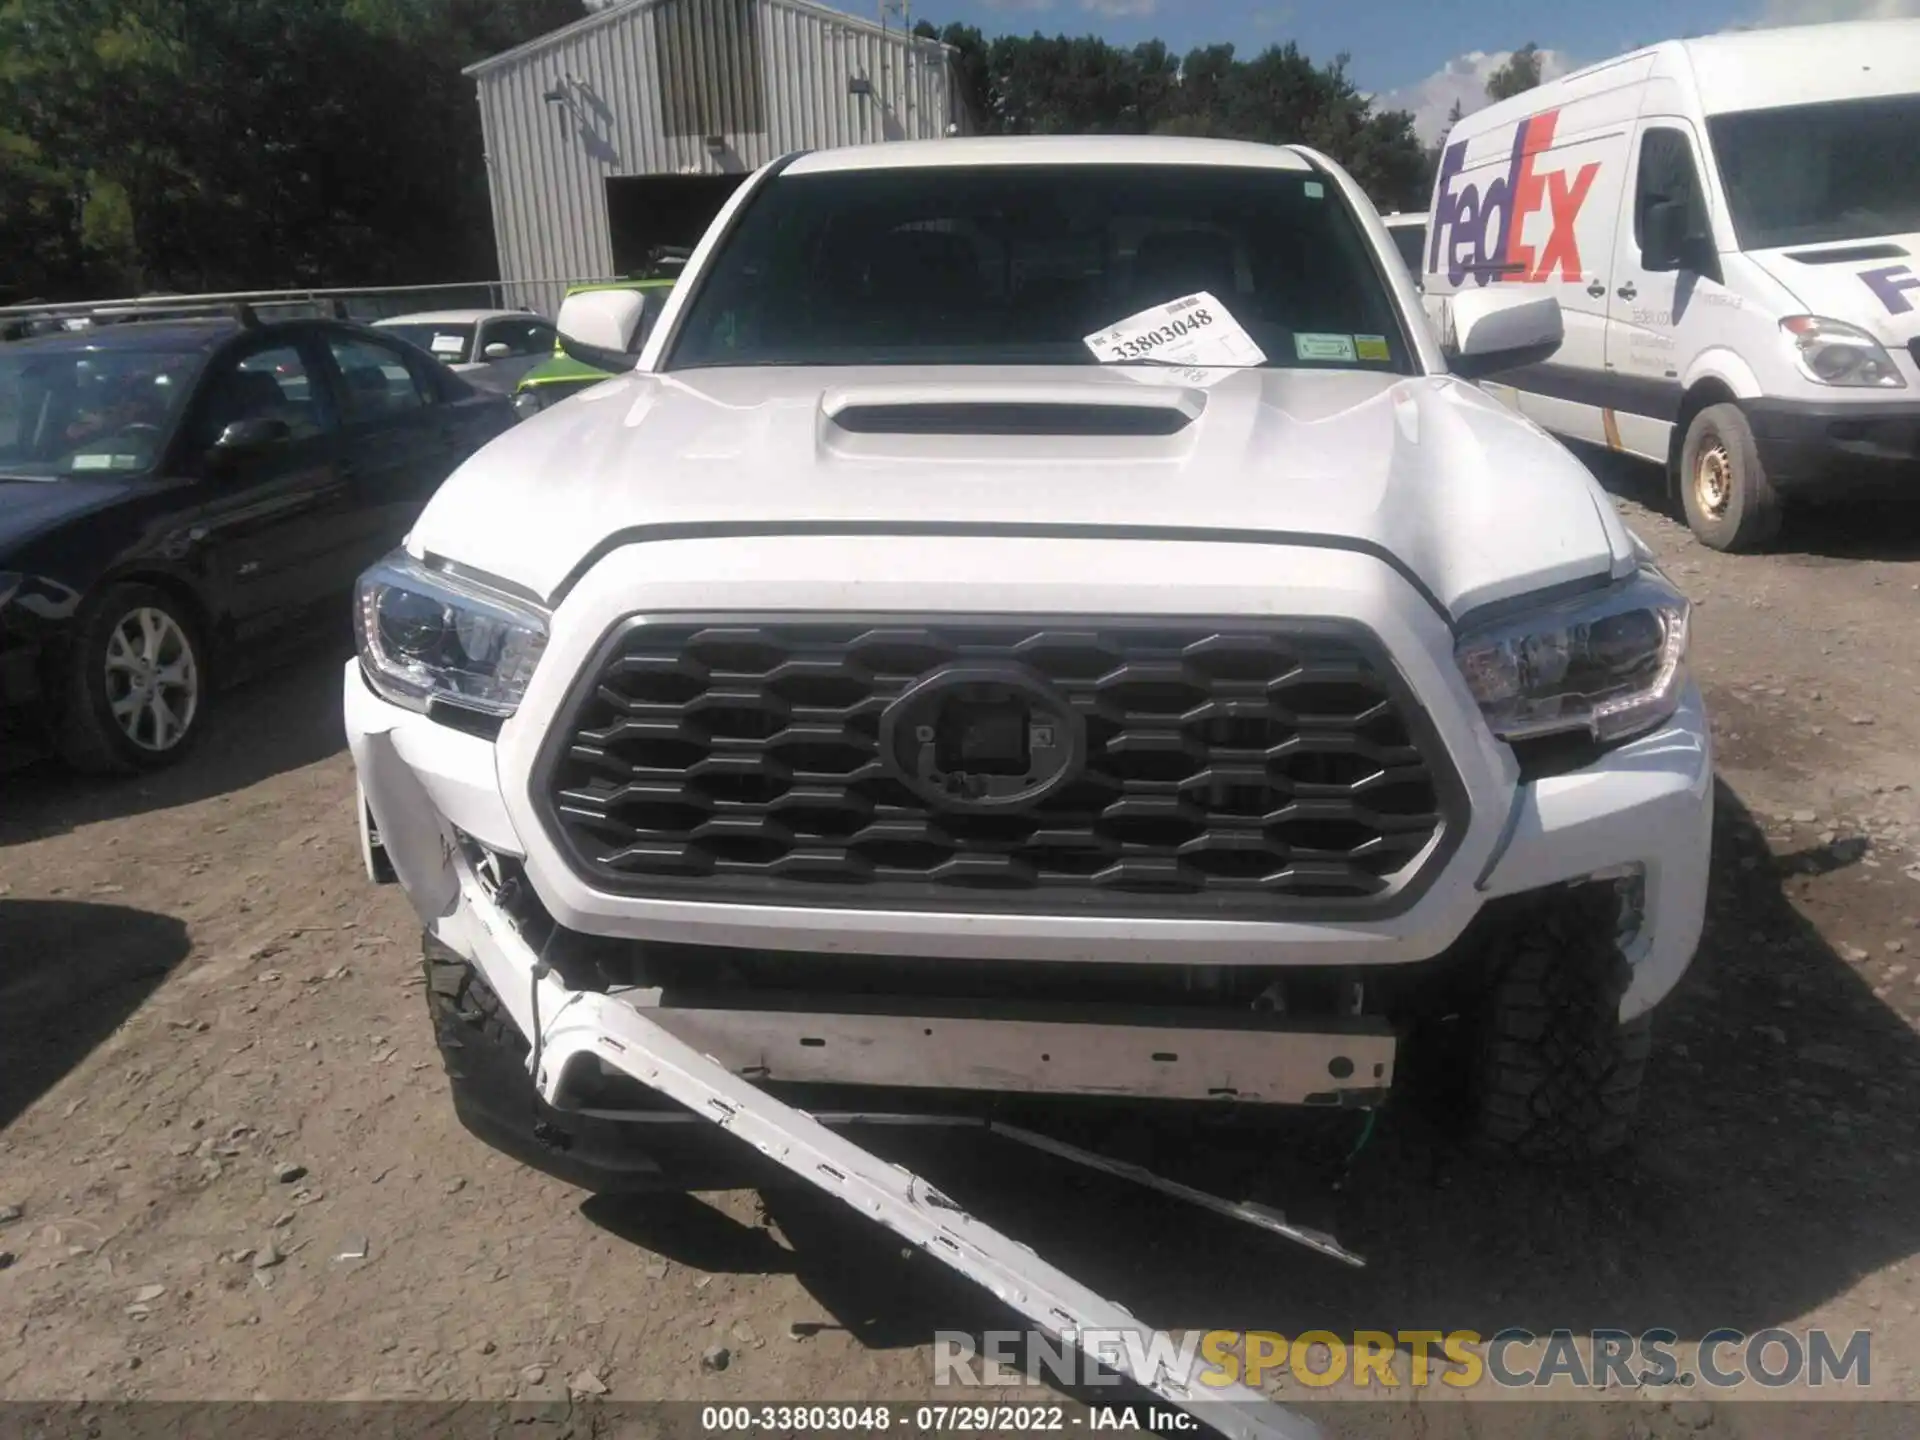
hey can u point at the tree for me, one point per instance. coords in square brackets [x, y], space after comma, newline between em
[216, 144]
[1520, 73]
[1059, 85]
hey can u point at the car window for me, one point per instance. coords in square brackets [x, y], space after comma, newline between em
[521, 337]
[1667, 172]
[1019, 264]
[270, 383]
[450, 344]
[376, 381]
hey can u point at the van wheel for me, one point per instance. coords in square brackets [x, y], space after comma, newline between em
[1729, 501]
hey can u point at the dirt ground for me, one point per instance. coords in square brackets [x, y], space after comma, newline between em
[197, 988]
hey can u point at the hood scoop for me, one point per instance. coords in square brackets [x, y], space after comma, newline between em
[1072, 409]
[1848, 255]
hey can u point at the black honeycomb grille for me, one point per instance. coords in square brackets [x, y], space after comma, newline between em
[1243, 769]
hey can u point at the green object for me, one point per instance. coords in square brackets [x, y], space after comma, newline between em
[1366, 1134]
[560, 375]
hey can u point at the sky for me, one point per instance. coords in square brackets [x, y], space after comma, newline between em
[1417, 55]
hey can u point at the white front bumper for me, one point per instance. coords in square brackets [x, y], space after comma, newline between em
[1647, 804]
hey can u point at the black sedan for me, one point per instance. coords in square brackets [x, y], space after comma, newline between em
[173, 492]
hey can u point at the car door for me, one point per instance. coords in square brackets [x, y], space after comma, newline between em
[276, 515]
[406, 423]
[1649, 312]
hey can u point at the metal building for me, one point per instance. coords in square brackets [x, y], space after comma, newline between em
[628, 129]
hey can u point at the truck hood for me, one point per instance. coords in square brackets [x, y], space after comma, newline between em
[1880, 293]
[1474, 502]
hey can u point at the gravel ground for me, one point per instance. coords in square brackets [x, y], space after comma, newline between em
[236, 1173]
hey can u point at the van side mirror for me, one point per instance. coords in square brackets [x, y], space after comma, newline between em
[498, 350]
[1487, 331]
[607, 328]
[1668, 243]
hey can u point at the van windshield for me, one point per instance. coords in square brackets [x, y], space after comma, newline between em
[1808, 174]
[1020, 264]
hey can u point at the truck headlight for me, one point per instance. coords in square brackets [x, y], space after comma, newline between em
[1832, 352]
[528, 403]
[427, 635]
[1612, 665]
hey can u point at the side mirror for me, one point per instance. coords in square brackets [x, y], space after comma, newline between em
[1491, 330]
[252, 434]
[1666, 242]
[607, 328]
[498, 350]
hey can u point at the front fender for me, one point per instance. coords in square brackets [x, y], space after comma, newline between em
[1725, 366]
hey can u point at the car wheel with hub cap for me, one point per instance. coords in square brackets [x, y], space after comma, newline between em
[136, 682]
[1730, 504]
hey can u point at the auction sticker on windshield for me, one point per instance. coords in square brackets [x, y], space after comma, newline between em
[1193, 330]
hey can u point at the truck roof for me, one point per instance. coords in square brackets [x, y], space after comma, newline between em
[1051, 150]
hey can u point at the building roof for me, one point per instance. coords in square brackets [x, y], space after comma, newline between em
[1050, 150]
[620, 10]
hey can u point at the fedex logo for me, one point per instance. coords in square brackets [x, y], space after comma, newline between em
[1481, 232]
[1888, 284]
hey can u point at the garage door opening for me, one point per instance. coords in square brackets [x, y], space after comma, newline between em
[645, 212]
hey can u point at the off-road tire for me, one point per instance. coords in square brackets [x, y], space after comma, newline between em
[1557, 1076]
[466, 1012]
[1749, 515]
[89, 738]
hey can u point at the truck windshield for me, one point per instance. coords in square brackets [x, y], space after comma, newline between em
[1808, 174]
[1019, 264]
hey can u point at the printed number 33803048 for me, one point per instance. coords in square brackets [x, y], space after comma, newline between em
[1149, 341]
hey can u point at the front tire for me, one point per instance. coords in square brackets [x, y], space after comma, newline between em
[136, 683]
[1557, 1075]
[1729, 502]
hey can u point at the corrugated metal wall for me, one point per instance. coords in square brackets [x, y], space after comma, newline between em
[635, 89]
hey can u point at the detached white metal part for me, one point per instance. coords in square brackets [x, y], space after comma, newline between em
[890, 1194]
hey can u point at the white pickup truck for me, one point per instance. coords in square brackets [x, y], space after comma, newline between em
[1036, 617]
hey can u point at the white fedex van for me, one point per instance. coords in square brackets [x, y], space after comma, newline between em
[1732, 228]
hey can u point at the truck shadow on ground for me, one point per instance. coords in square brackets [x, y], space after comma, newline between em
[269, 723]
[70, 974]
[1778, 1156]
[1868, 527]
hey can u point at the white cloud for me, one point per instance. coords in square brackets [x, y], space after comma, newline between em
[1018, 4]
[1814, 12]
[1120, 7]
[1463, 78]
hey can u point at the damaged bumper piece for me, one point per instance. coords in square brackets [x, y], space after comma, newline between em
[895, 1197]
[604, 1030]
